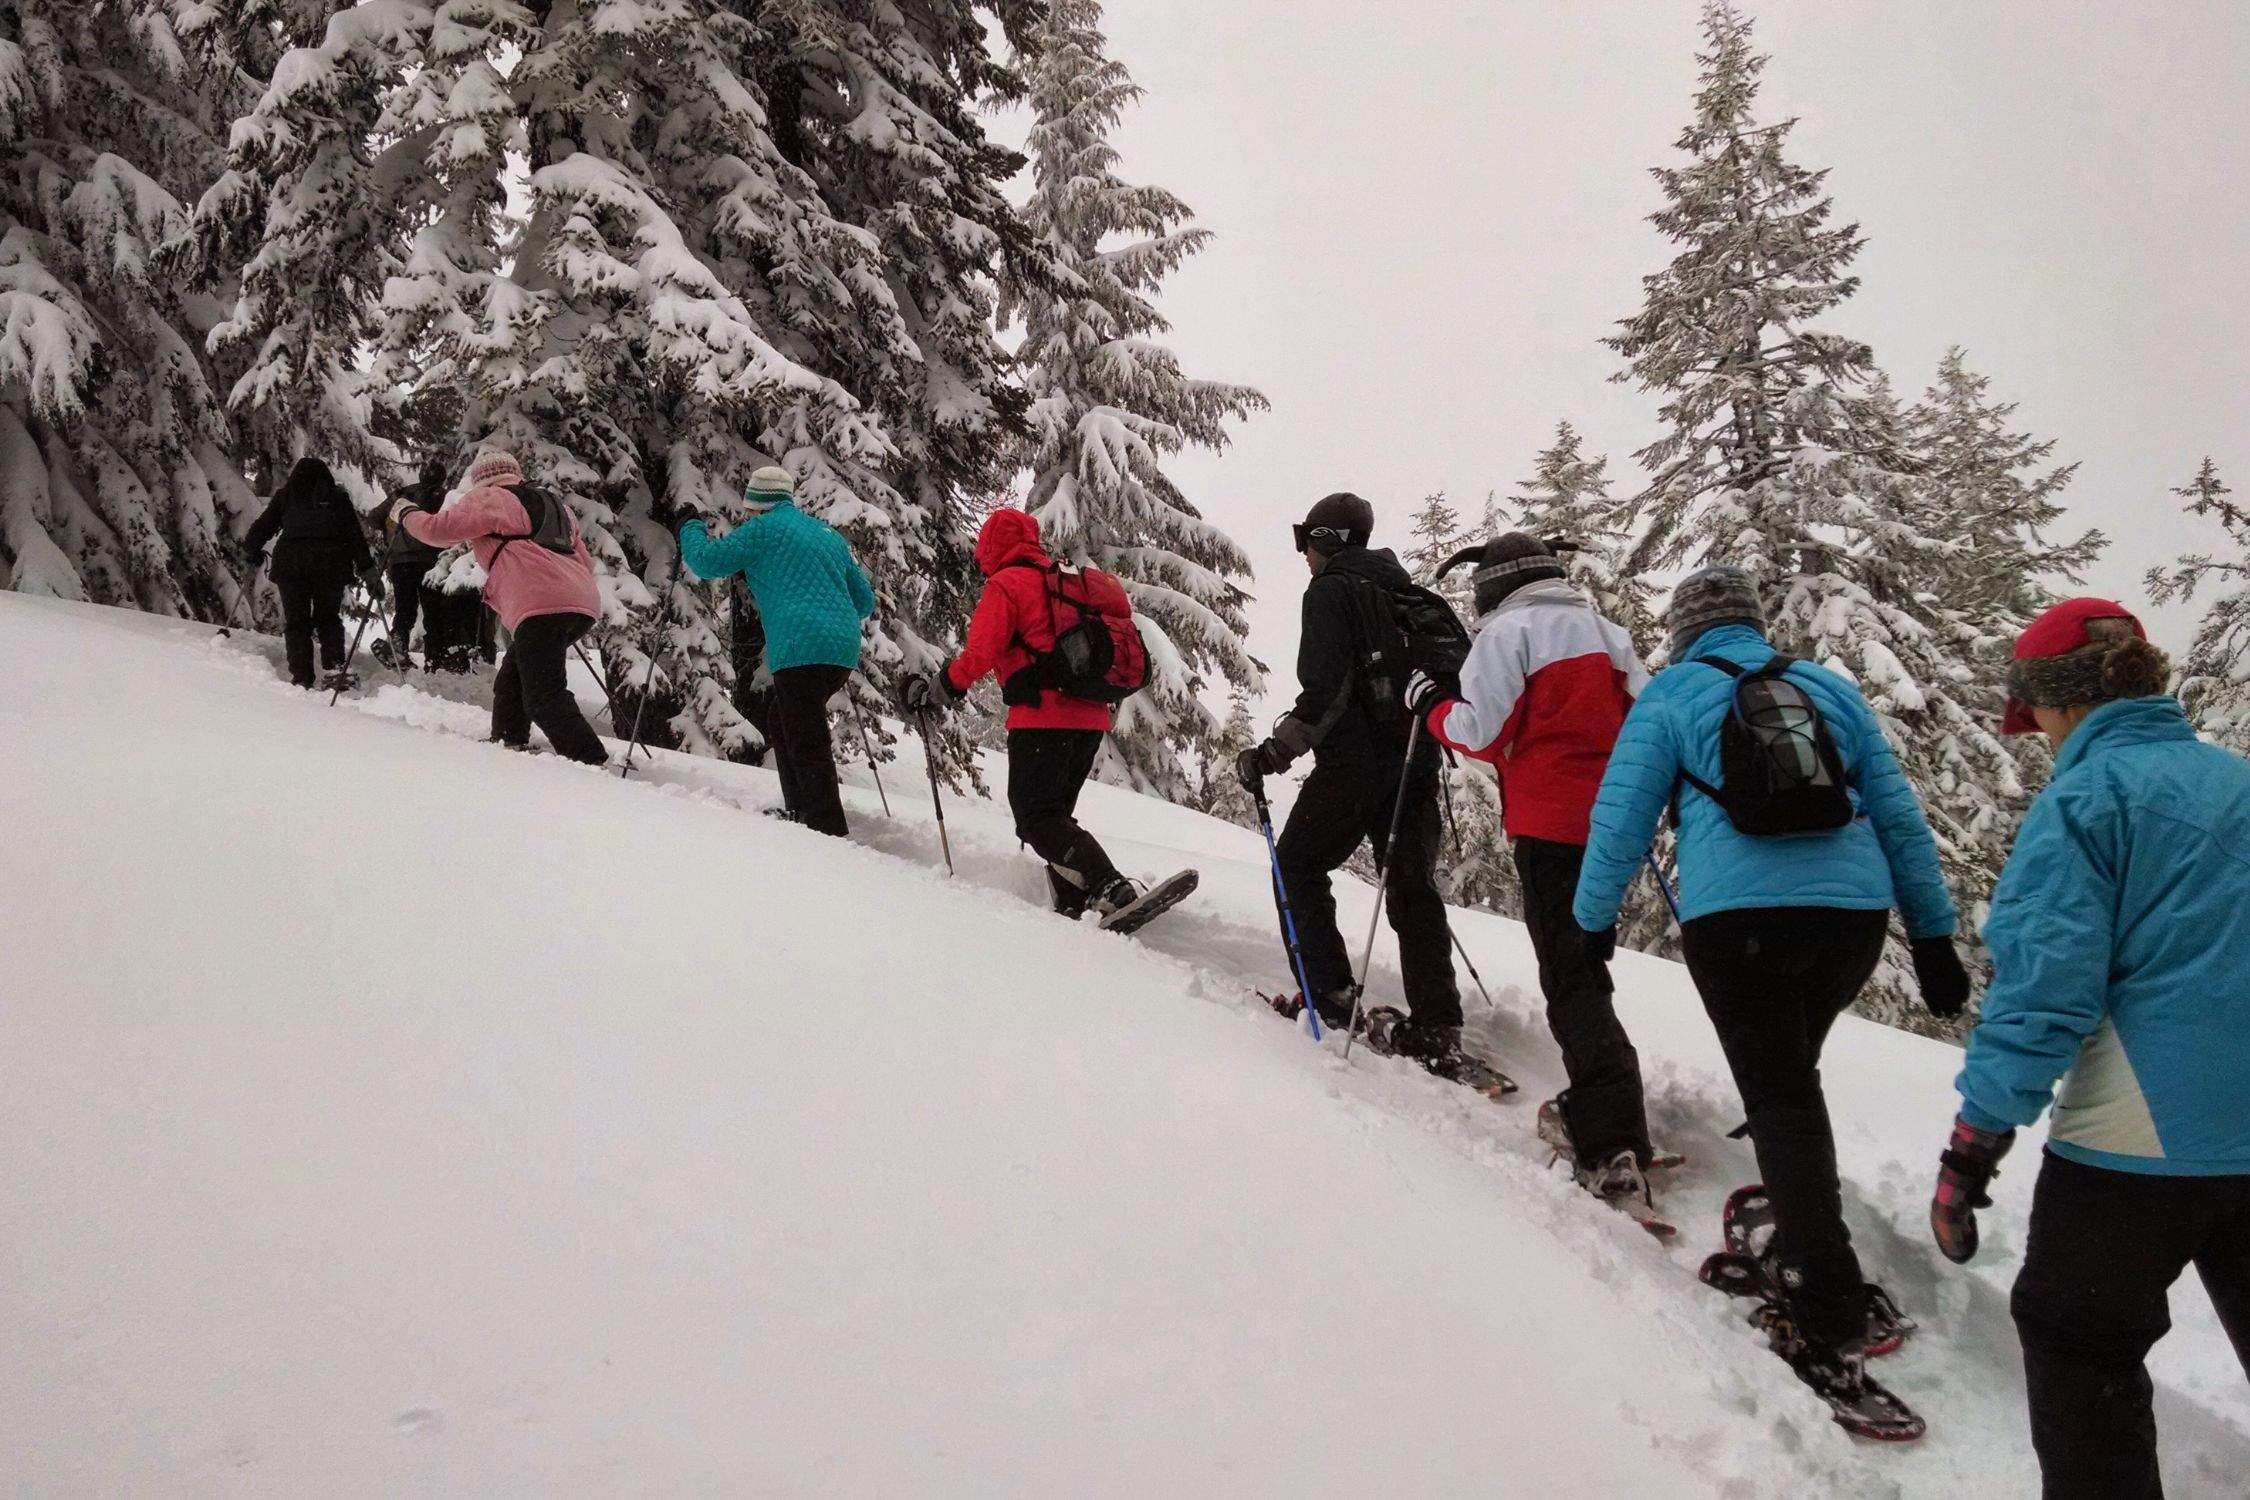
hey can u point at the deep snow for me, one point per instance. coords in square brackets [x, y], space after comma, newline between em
[384, 1114]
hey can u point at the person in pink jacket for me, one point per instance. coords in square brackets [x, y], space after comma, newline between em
[539, 579]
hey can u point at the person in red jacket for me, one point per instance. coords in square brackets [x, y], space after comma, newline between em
[1542, 696]
[1052, 739]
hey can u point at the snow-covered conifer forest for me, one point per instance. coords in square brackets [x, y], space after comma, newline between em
[651, 245]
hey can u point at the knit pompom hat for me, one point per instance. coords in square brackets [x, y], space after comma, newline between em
[2080, 652]
[494, 466]
[1711, 597]
[769, 486]
[1505, 564]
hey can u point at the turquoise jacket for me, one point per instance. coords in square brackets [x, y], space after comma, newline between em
[1883, 857]
[810, 590]
[2120, 938]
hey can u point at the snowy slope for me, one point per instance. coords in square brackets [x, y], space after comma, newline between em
[383, 1114]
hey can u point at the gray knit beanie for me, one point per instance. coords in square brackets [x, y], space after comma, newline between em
[1712, 597]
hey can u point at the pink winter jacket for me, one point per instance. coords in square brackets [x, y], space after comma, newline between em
[528, 579]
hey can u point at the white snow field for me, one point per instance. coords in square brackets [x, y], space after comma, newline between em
[382, 1114]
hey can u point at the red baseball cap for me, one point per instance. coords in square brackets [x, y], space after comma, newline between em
[2058, 631]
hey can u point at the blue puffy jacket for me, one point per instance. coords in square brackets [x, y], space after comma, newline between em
[810, 591]
[2120, 938]
[1883, 857]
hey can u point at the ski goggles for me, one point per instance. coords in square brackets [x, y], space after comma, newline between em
[1312, 536]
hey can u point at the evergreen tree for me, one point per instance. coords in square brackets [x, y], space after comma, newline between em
[120, 479]
[745, 238]
[1220, 791]
[1436, 535]
[1567, 500]
[2214, 678]
[1109, 404]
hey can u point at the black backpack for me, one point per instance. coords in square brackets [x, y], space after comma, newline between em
[1100, 658]
[550, 522]
[1780, 771]
[1403, 630]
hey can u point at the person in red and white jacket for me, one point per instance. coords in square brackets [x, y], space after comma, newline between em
[1542, 696]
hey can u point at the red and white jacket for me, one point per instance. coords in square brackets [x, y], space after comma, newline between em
[1546, 687]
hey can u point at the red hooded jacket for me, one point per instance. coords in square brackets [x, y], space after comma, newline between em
[1015, 619]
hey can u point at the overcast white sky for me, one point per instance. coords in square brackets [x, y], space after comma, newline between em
[1427, 214]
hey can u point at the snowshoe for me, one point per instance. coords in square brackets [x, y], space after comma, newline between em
[1746, 1269]
[1393, 1033]
[1554, 1133]
[1861, 1404]
[1125, 907]
[1621, 1182]
[337, 680]
[381, 650]
[1335, 1011]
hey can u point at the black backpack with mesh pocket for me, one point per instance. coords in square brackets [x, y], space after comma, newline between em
[1780, 771]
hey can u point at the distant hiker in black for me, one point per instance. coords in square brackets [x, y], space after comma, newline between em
[318, 546]
[407, 561]
[1350, 718]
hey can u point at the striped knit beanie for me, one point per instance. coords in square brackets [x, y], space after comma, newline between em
[1709, 598]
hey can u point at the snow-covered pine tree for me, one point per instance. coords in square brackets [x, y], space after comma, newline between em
[1785, 453]
[2214, 676]
[1567, 499]
[736, 238]
[1219, 791]
[1110, 404]
[1435, 536]
[120, 479]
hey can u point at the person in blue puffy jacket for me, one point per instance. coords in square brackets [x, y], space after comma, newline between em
[811, 596]
[2120, 938]
[1779, 933]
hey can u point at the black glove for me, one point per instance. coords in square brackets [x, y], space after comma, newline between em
[1939, 976]
[1965, 1168]
[1258, 762]
[372, 581]
[919, 694]
[1425, 692]
[1601, 946]
[253, 558]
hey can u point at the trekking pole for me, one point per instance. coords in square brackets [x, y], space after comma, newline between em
[1288, 917]
[1489, 1003]
[588, 663]
[640, 710]
[1382, 885]
[929, 760]
[867, 743]
[1664, 886]
[345, 671]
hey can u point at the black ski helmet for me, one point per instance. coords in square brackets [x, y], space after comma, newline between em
[1507, 563]
[1335, 522]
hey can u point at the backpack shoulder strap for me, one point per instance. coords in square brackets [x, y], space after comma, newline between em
[1734, 671]
[1724, 665]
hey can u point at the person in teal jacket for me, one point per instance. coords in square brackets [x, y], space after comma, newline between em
[2120, 938]
[811, 595]
[1779, 934]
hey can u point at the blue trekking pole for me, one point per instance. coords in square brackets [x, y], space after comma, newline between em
[1288, 917]
[1665, 886]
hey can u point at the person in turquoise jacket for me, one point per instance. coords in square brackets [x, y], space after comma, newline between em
[2120, 938]
[1779, 934]
[811, 595]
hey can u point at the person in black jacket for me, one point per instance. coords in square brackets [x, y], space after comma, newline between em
[407, 562]
[318, 544]
[1352, 722]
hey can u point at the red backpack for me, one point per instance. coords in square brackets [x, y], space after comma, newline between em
[1098, 656]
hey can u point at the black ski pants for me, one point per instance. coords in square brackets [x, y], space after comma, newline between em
[533, 688]
[1047, 769]
[1342, 803]
[449, 630]
[412, 599]
[1773, 982]
[2090, 1302]
[1603, 1107]
[312, 607]
[804, 752]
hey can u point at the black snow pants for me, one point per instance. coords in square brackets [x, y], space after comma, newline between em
[411, 598]
[1047, 768]
[1603, 1107]
[533, 688]
[1342, 803]
[449, 630]
[1773, 983]
[2090, 1302]
[309, 607]
[804, 752]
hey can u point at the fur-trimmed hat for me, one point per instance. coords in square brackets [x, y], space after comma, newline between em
[1711, 597]
[1505, 564]
[494, 466]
